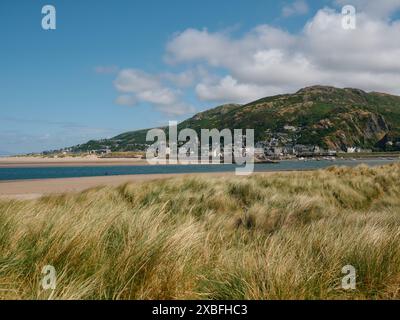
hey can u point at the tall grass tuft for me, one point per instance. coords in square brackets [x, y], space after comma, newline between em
[268, 236]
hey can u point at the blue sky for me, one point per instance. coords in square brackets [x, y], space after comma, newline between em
[114, 66]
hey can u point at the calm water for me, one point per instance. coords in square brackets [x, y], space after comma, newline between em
[71, 172]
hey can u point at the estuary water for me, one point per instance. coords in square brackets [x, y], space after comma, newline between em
[25, 173]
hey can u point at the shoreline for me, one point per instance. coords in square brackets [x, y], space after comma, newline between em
[31, 162]
[26, 189]
[93, 161]
[36, 188]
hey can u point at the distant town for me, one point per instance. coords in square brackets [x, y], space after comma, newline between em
[276, 146]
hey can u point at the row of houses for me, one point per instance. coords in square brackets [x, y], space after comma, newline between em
[298, 150]
[263, 153]
[102, 151]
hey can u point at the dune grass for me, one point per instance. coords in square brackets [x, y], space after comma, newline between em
[274, 236]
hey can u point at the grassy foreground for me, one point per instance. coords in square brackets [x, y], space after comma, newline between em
[276, 236]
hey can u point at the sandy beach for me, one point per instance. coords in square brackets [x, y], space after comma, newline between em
[15, 162]
[32, 189]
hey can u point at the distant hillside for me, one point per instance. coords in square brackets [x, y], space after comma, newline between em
[325, 116]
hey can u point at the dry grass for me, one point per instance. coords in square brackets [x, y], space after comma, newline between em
[281, 236]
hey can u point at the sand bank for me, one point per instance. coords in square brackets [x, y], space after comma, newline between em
[15, 162]
[31, 189]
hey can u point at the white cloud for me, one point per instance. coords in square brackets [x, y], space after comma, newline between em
[229, 89]
[163, 96]
[139, 86]
[182, 80]
[374, 8]
[136, 81]
[298, 7]
[194, 44]
[269, 60]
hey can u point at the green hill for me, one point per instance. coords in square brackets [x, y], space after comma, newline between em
[320, 115]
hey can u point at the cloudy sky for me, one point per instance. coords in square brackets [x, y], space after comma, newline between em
[113, 66]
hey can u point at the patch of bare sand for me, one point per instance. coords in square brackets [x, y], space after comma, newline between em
[32, 189]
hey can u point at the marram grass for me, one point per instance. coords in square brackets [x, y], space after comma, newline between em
[274, 236]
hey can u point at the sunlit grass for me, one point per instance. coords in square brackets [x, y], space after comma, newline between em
[275, 236]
